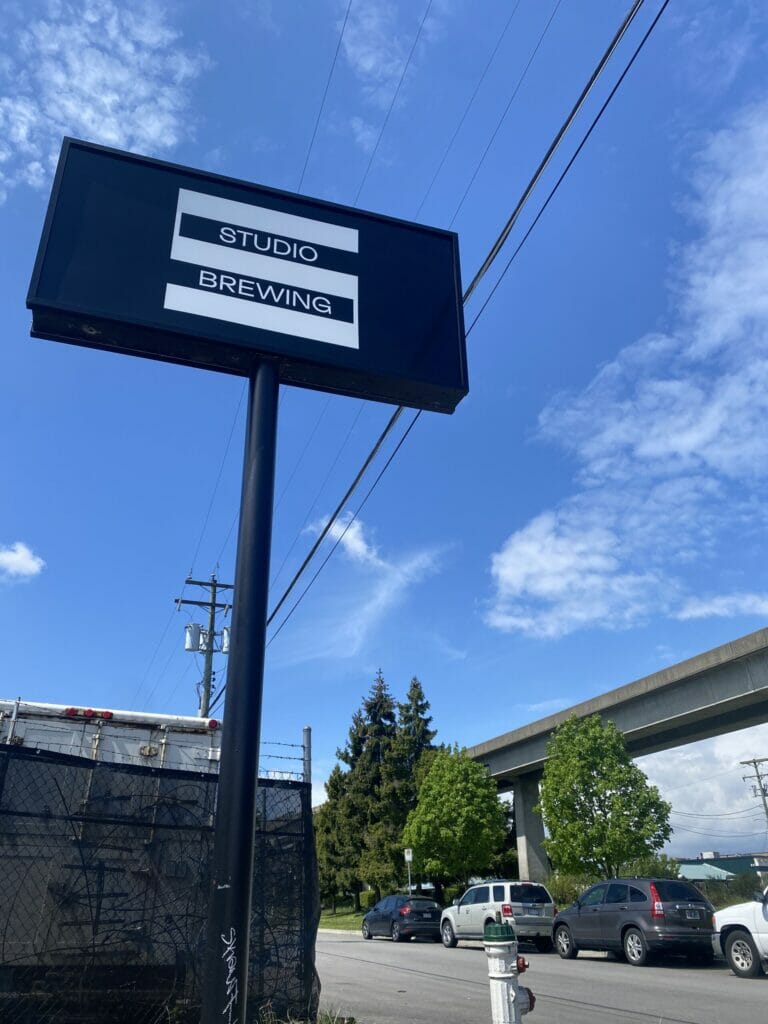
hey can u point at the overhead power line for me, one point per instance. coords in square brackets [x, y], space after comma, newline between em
[325, 95]
[485, 267]
[321, 488]
[339, 509]
[394, 100]
[554, 145]
[347, 526]
[570, 163]
[467, 108]
[498, 244]
[503, 117]
[338, 540]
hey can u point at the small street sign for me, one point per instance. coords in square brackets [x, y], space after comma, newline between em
[408, 855]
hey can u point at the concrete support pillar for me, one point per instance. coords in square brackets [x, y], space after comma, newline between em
[532, 860]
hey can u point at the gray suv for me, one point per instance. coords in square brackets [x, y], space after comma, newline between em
[637, 917]
[526, 905]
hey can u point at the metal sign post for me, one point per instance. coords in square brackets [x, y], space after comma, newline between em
[226, 964]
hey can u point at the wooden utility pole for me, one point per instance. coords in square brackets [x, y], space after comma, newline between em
[212, 605]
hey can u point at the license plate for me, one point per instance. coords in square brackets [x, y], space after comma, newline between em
[692, 915]
[426, 916]
[533, 911]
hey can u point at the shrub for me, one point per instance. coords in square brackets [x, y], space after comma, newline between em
[452, 892]
[367, 899]
[566, 887]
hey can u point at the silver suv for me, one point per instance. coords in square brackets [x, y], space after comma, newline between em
[526, 905]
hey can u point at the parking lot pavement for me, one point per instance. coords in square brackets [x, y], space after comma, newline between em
[381, 982]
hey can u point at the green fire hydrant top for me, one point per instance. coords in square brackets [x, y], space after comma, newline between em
[499, 933]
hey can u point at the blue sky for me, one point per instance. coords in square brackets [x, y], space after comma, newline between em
[592, 512]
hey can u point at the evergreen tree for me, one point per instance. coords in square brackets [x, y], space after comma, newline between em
[359, 829]
[338, 844]
[374, 782]
[414, 733]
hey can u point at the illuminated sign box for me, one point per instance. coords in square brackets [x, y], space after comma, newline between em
[152, 259]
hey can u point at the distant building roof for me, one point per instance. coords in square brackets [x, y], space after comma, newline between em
[701, 872]
[736, 863]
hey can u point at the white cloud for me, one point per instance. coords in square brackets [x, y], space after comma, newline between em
[343, 624]
[669, 438]
[718, 40]
[725, 605]
[375, 48]
[350, 534]
[18, 562]
[363, 133]
[547, 707]
[376, 45]
[113, 73]
[713, 808]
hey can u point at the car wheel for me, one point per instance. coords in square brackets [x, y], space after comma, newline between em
[446, 933]
[564, 943]
[397, 935]
[742, 957]
[635, 949]
[543, 944]
[366, 931]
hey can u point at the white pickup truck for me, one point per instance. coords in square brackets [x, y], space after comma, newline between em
[741, 936]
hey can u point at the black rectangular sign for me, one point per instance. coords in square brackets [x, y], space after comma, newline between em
[153, 259]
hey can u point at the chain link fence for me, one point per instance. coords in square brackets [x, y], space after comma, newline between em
[105, 876]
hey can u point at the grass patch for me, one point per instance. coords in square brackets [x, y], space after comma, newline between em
[345, 918]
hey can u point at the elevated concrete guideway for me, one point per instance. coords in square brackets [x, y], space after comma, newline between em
[716, 692]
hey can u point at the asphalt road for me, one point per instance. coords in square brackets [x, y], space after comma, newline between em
[380, 982]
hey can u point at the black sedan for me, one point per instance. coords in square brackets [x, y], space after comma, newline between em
[402, 917]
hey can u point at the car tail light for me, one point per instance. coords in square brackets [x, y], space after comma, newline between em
[405, 911]
[506, 910]
[657, 907]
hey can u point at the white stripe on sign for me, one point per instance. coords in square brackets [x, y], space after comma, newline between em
[267, 268]
[257, 314]
[271, 221]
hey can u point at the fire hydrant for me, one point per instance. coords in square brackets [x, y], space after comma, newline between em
[509, 1000]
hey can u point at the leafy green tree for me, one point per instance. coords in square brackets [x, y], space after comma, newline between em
[504, 864]
[598, 808]
[655, 865]
[458, 823]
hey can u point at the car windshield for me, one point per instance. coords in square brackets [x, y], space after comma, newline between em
[670, 890]
[424, 904]
[529, 894]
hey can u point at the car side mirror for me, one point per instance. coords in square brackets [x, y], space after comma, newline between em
[455, 902]
[761, 897]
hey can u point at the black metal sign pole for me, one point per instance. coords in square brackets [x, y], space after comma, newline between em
[225, 977]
